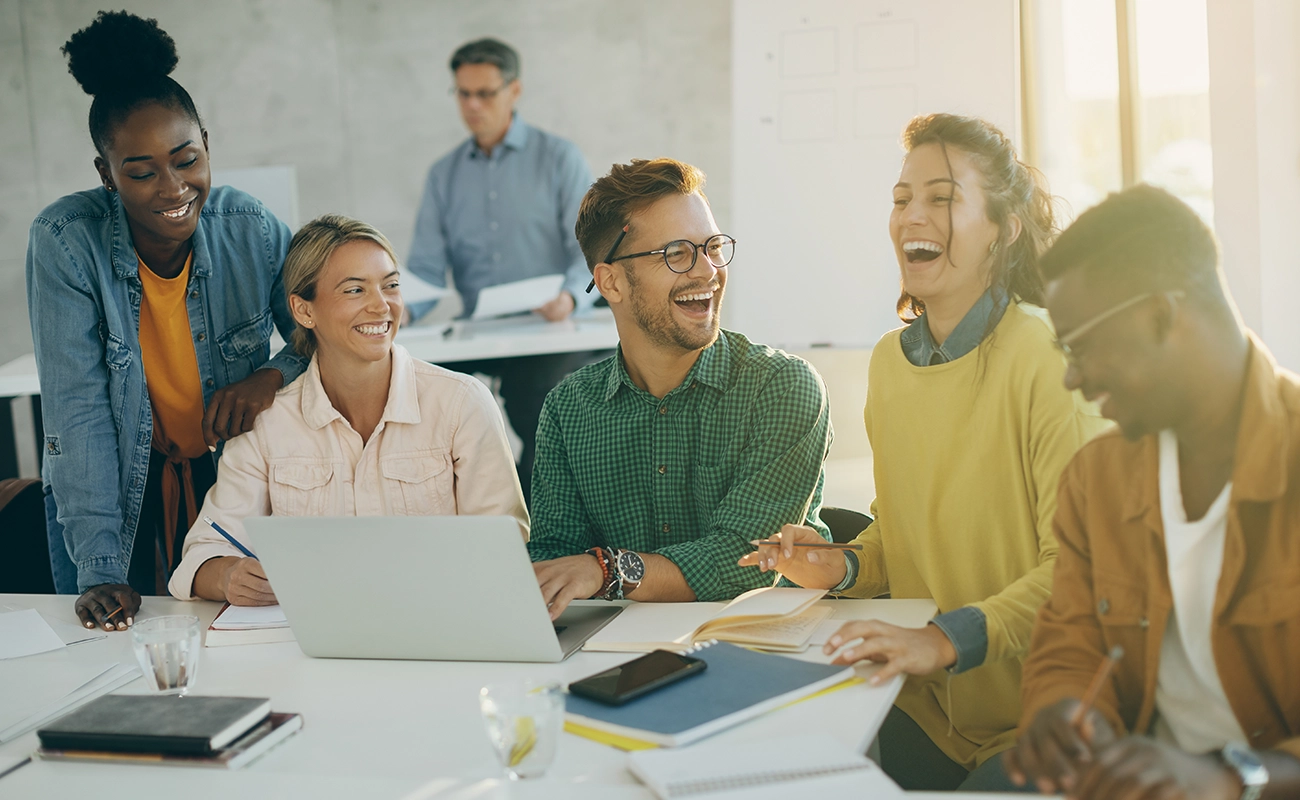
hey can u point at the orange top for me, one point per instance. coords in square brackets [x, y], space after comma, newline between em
[171, 369]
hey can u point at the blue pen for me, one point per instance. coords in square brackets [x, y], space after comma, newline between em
[230, 538]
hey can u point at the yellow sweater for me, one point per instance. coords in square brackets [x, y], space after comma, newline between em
[968, 455]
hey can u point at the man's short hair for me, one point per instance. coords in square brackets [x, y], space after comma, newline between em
[629, 188]
[1143, 237]
[488, 51]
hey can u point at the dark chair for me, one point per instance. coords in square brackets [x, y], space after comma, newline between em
[25, 567]
[845, 524]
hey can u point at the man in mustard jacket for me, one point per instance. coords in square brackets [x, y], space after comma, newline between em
[1179, 532]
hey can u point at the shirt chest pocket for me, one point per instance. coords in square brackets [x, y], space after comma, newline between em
[300, 490]
[419, 484]
[246, 346]
[1122, 611]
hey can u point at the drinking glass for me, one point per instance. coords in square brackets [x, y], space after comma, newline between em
[524, 721]
[168, 651]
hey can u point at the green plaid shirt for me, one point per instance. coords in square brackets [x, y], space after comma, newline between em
[730, 455]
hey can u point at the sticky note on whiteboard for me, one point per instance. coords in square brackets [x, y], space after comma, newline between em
[884, 46]
[807, 53]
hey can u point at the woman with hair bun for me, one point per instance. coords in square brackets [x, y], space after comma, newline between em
[152, 298]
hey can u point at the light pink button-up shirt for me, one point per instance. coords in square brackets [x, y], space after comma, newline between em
[439, 449]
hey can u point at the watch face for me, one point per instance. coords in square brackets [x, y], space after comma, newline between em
[631, 567]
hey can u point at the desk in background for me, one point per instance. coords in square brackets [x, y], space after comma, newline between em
[529, 335]
[399, 729]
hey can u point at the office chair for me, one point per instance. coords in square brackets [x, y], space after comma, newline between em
[25, 567]
[845, 524]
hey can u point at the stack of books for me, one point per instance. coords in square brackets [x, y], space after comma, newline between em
[220, 732]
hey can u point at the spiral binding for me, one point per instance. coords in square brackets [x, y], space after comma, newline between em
[702, 785]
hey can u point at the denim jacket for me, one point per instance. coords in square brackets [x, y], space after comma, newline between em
[83, 295]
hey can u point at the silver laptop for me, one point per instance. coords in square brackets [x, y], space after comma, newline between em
[433, 588]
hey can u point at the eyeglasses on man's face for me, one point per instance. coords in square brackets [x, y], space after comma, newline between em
[481, 95]
[680, 255]
[1069, 343]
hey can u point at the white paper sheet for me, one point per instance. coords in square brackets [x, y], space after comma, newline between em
[512, 298]
[24, 633]
[415, 290]
[52, 689]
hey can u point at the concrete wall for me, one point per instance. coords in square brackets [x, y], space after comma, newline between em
[355, 95]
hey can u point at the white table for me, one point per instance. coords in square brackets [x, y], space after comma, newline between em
[400, 729]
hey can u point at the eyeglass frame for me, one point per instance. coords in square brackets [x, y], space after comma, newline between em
[481, 95]
[695, 254]
[1066, 343]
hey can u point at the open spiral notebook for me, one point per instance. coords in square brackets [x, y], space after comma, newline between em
[796, 766]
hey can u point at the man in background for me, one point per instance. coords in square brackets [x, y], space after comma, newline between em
[499, 208]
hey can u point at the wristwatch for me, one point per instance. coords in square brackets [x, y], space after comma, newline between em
[631, 571]
[1249, 767]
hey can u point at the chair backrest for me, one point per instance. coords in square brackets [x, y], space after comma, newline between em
[25, 567]
[845, 523]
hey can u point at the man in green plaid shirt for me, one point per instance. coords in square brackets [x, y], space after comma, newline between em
[656, 468]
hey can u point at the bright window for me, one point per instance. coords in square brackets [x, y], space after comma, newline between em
[1117, 91]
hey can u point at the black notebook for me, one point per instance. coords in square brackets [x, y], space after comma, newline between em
[132, 723]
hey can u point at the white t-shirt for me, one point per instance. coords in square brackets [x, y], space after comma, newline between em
[1193, 710]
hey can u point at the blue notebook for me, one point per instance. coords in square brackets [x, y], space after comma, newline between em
[738, 685]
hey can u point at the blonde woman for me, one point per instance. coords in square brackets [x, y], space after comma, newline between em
[366, 431]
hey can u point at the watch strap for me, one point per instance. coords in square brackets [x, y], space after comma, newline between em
[1249, 768]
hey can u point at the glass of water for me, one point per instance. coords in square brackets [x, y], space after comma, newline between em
[168, 651]
[524, 721]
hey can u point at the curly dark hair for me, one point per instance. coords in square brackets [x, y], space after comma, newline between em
[124, 62]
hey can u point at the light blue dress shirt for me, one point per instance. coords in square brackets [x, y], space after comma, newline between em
[504, 217]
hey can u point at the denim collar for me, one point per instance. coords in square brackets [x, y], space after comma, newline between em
[403, 403]
[710, 369]
[920, 348]
[126, 263]
[516, 137]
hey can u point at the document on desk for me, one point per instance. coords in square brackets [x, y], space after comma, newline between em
[50, 690]
[25, 633]
[512, 298]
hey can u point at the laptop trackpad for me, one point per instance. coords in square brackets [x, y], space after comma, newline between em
[579, 623]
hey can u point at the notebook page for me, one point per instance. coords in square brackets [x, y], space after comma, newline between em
[652, 624]
[788, 632]
[236, 618]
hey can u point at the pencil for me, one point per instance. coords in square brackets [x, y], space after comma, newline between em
[115, 612]
[1094, 688]
[821, 545]
[230, 538]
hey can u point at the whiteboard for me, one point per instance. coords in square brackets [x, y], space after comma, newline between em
[821, 91]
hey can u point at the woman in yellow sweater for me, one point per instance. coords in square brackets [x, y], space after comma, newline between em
[970, 429]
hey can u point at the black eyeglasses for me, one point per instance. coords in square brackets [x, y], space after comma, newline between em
[482, 95]
[680, 255]
[1069, 343]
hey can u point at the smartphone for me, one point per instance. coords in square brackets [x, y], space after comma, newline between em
[639, 676]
